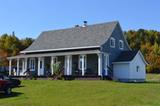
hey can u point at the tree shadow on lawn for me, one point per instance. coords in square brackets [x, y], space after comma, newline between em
[146, 82]
[14, 94]
[153, 82]
[20, 86]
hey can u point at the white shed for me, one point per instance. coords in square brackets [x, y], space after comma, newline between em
[130, 67]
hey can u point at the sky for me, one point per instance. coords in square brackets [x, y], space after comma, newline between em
[28, 18]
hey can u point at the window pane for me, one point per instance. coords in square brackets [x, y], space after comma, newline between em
[80, 65]
[112, 42]
[40, 64]
[84, 62]
[31, 64]
[121, 44]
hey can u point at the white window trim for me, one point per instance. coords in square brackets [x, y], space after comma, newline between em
[85, 62]
[137, 68]
[114, 42]
[120, 41]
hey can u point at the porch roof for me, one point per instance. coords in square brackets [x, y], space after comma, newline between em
[54, 54]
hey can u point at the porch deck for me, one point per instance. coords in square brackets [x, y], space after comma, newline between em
[65, 77]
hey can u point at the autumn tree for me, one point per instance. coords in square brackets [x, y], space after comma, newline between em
[148, 41]
[10, 45]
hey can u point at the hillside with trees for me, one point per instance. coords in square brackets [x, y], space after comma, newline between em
[148, 41]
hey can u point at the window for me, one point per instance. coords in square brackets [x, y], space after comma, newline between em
[55, 59]
[32, 63]
[81, 57]
[112, 42]
[121, 45]
[40, 64]
[137, 68]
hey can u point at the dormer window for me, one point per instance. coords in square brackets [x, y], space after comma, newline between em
[112, 42]
[121, 44]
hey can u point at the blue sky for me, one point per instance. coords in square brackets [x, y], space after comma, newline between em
[28, 18]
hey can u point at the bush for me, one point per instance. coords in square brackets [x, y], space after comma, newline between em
[58, 70]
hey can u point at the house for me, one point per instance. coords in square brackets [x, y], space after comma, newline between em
[88, 50]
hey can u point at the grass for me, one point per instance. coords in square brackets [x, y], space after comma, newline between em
[84, 93]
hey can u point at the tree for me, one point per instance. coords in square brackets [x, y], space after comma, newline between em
[10, 45]
[156, 49]
[26, 42]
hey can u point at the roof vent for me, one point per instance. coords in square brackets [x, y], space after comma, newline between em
[84, 23]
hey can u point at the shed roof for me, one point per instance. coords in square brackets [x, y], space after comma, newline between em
[77, 37]
[126, 56]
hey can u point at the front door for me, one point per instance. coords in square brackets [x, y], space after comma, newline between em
[41, 66]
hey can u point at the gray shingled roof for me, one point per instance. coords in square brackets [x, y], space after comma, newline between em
[126, 56]
[91, 35]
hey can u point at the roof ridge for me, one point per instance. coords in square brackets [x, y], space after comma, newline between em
[90, 25]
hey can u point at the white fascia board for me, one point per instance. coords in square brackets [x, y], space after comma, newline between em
[55, 54]
[86, 47]
[142, 57]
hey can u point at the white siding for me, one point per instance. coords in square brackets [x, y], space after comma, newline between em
[141, 73]
[121, 71]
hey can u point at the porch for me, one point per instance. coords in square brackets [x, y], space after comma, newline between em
[90, 63]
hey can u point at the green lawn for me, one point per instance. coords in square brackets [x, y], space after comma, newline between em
[84, 93]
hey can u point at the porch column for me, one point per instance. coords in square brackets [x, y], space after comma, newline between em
[83, 63]
[25, 61]
[100, 64]
[10, 66]
[52, 62]
[68, 65]
[39, 63]
[17, 73]
[40, 66]
[23, 67]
